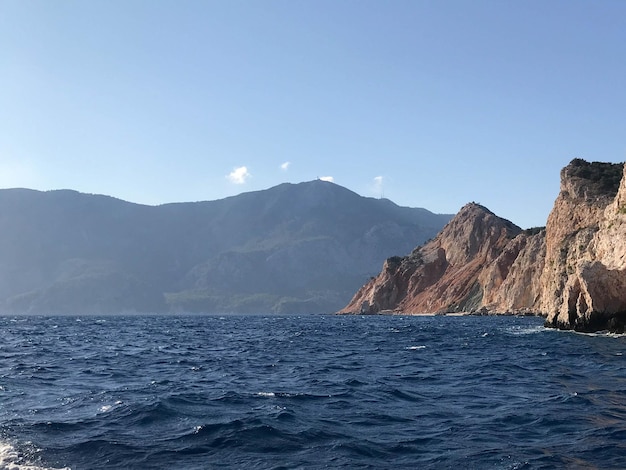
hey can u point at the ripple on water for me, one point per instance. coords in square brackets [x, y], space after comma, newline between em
[309, 392]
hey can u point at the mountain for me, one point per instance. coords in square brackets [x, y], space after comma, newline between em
[573, 271]
[292, 248]
[443, 275]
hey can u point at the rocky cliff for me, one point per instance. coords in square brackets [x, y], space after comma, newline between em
[584, 278]
[573, 271]
[444, 274]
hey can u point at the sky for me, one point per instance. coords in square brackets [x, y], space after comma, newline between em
[431, 104]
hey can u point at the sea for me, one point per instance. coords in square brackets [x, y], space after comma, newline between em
[308, 392]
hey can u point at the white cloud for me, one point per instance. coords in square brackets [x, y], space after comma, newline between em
[378, 188]
[330, 179]
[239, 175]
[285, 166]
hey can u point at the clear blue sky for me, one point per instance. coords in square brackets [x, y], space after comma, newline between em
[434, 103]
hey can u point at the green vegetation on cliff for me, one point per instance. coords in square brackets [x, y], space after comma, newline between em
[601, 179]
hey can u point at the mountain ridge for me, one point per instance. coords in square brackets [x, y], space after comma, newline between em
[68, 252]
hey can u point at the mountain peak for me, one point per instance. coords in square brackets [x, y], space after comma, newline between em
[442, 274]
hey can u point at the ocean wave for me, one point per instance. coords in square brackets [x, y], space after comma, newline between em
[345, 394]
[522, 330]
[296, 396]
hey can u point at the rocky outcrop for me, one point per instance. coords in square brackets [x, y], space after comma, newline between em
[584, 278]
[443, 275]
[512, 283]
[573, 271]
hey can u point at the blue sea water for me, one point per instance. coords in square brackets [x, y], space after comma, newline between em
[290, 392]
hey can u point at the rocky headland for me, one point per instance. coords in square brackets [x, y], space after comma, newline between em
[573, 271]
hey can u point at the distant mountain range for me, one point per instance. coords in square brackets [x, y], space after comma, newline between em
[297, 248]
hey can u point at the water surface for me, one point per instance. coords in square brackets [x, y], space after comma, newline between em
[202, 392]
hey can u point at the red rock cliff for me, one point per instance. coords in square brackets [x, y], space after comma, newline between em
[443, 275]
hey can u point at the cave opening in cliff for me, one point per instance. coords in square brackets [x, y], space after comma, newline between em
[573, 302]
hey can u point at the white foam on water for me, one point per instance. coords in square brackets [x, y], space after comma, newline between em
[266, 394]
[11, 459]
[414, 348]
[527, 330]
[105, 408]
[603, 334]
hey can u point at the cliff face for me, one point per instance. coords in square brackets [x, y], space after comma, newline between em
[513, 282]
[584, 280]
[573, 271]
[443, 275]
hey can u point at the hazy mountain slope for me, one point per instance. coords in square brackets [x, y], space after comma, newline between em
[292, 247]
